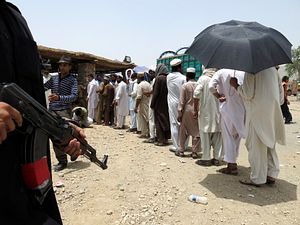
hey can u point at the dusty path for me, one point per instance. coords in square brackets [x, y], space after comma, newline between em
[145, 184]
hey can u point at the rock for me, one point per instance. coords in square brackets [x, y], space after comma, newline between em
[251, 195]
[163, 164]
[109, 212]
[181, 160]
[59, 184]
[286, 212]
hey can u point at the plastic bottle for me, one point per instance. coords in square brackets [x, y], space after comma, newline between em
[198, 199]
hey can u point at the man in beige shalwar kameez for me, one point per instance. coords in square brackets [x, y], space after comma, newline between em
[188, 124]
[208, 120]
[142, 105]
[264, 124]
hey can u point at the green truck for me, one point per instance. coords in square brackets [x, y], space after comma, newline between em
[187, 61]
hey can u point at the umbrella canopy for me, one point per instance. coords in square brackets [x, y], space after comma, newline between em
[245, 46]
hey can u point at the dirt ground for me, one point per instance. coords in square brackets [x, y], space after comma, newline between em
[146, 184]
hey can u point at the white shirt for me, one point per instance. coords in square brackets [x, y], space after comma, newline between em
[174, 82]
[233, 107]
[261, 94]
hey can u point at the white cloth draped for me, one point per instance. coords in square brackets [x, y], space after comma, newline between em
[174, 82]
[92, 98]
[233, 107]
[261, 94]
[232, 112]
[121, 98]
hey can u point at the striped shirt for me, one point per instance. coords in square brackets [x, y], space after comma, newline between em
[67, 90]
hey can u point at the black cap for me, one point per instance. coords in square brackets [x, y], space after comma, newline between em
[65, 59]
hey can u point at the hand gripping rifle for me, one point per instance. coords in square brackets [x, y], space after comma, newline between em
[41, 125]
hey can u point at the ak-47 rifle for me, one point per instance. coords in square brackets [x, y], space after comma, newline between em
[40, 125]
[57, 128]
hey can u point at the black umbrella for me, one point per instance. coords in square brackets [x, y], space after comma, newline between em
[245, 46]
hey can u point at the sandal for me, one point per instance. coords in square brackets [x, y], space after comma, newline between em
[179, 153]
[203, 162]
[159, 144]
[150, 140]
[228, 171]
[270, 180]
[194, 155]
[215, 162]
[249, 183]
[143, 136]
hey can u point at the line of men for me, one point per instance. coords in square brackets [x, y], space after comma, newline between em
[217, 111]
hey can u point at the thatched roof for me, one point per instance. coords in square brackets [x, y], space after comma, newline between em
[102, 64]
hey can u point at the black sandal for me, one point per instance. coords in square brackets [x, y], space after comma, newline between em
[228, 171]
[179, 154]
[270, 180]
[194, 155]
[249, 183]
[203, 162]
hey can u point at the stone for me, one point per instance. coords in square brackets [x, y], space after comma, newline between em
[109, 212]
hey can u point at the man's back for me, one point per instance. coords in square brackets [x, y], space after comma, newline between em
[208, 106]
[174, 82]
[261, 94]
[186, 101]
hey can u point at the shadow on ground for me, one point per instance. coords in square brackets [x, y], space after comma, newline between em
[77, 165]
[228, 187]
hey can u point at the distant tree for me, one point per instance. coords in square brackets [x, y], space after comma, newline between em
[294, 68]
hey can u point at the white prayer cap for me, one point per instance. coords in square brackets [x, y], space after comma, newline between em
[191, 70]
[175, 62]
[106, 77]
[119, 75]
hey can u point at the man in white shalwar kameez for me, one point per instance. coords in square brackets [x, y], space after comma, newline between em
[232, 112]
[206, 108]
[92, 96]
[152, 130]
[174, 82]
[121, 102]
[264, 124]
[132, 89]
